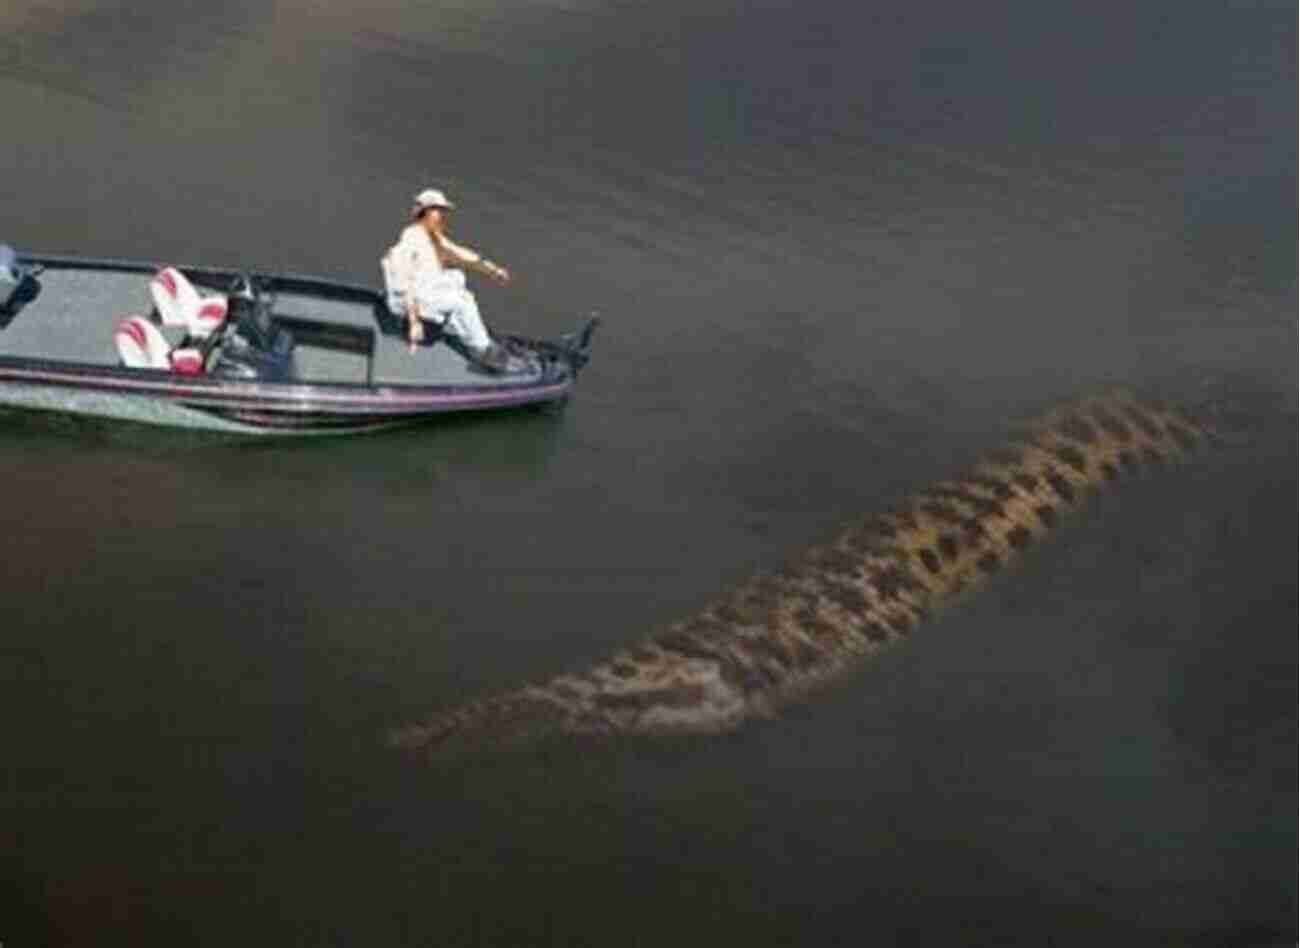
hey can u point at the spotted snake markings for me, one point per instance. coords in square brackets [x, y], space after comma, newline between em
[779, 635]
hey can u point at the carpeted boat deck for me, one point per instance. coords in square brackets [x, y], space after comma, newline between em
[76, 315]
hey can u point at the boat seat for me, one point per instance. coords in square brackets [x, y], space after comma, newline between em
[394, 298]
[390, 312]
[141, 345]
[179, 303]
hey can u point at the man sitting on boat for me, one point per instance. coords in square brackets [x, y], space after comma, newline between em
[424, 278]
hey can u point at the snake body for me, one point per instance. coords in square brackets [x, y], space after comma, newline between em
[779, 634]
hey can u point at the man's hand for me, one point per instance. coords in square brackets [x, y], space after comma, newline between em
[415, 332]
[494, 271]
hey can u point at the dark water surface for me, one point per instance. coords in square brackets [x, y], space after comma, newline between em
[838, 247]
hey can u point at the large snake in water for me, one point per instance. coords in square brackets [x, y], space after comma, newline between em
[779, 634]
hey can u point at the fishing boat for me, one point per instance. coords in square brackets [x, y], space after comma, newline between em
[249, 352]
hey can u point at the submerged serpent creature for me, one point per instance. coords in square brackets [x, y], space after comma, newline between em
[777, 635]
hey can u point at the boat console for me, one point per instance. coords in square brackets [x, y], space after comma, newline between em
[253, 345]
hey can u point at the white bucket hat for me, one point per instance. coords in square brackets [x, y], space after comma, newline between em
[431, 197]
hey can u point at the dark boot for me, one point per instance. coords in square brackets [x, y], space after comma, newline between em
[494, 358]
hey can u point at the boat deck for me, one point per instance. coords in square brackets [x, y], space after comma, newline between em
[78, 311]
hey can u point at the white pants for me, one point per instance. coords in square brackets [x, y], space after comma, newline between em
[457, 310]
[445, 300]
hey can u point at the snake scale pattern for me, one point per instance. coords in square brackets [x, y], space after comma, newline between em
[778, 635]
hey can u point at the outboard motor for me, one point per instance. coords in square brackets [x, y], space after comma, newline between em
[254, 346]
[18, 284]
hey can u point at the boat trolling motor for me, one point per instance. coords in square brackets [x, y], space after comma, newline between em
[577, 345]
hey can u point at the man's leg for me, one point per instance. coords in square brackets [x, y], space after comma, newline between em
[464, 320]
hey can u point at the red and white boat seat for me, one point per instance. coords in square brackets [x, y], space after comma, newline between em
[179, 303]
[142, 345]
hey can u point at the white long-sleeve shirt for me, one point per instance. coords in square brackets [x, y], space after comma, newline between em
[415, 262]
[413, 270]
